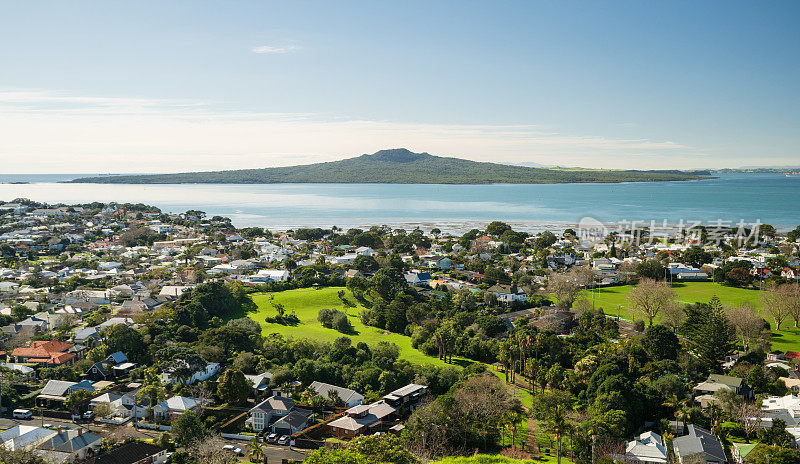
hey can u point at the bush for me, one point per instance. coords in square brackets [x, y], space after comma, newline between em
[638, 326]
[334, 319]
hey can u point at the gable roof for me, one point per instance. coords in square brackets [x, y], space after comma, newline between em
[70, 441]
[180, 403]
[699, 441]
[273, 403]
[325, 389]
[295, 419]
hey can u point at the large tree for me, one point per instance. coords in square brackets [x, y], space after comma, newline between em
[650, 297]
[233, 388]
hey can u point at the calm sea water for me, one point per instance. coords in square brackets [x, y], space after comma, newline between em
[770, 198]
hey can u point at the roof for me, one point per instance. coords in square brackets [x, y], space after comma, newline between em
[325, 389]
[51, 351]
[699, 441]
[23, 435]
[408, 390]
[295, 419]
[377, 411]
[734, 382]
[70, 441]
[129, 453]
[274, 403]
[180, 403]
[63, 388]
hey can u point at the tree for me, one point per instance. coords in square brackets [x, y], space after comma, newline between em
[22, 456]
[233, 388]
[559, 425]
[775, 303]
[661, 343]
[710, 334]
[77, 399]
[765, 454]
[335, 456]
[566, 288]
[385, 448]
[650, 297]
[188, 428]
[127, 340]
[749, 326]
[651, 269]
[256, 451]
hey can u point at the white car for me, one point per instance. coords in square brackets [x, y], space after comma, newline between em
[22, 414]
[233, 449]
[272, 437]
[283, 440]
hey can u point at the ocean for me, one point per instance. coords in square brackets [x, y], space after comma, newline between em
[768, 198]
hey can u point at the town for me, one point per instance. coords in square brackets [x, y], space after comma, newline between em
[132, 335]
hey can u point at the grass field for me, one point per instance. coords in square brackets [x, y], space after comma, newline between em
[306, 303]
[612, 298]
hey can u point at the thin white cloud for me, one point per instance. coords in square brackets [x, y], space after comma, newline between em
[44, 131]
[276, 50]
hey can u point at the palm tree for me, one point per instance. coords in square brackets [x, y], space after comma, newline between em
[559, 425]
[256, 452]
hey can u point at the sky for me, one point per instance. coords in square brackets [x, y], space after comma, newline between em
[153, 86]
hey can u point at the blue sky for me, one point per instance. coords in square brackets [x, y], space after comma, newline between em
[185, 85]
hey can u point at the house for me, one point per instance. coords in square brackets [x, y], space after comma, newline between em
[122, 405]
[420, 279]
[789, 273]
[262, 414]
[698, 443]
[115, 365]
[88, 336]
[58, 390]
[408, 395]
[68, 446]
[296, 421]
[648, 448]
[26, 372]
[24, 436]
[49, 353]
[361, 419]
[348, 397]
[260, 382]
[173, 407]
[704, 392]
[508, 293]
[267, 275]
[350, 273]
[135, 452]
[197, 376]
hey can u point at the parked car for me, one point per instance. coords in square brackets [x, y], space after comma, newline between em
[233, 450]
[22, 414]
[272, 437]
[283, 440]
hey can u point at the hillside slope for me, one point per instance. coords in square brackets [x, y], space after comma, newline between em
[399, 166]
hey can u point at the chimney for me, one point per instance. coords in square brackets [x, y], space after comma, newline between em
[60, 430]
[80, 431]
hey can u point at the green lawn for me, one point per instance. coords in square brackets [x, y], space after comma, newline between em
[306, 303]
[612, 298]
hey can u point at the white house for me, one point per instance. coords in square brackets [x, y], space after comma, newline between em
[648, 448]
[267, 275]
[198, 376]
[271, 408]
[173, 407]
